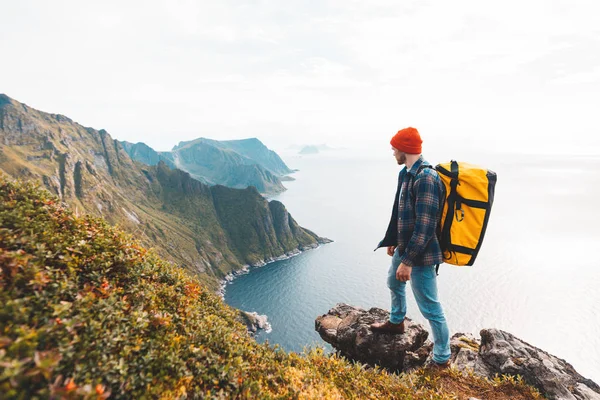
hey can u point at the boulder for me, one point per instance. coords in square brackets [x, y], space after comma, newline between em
[254, 322]
[503, 353]
[347, 328]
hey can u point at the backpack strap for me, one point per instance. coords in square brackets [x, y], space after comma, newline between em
[454, 203]
[421, 168]
[439, 232]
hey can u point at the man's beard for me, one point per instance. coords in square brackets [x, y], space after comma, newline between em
[402, 159]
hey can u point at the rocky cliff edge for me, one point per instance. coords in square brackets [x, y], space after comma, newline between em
[497, 352]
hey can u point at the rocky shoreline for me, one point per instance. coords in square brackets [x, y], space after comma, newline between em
[253, 320]
[246, 268]
[347, 329]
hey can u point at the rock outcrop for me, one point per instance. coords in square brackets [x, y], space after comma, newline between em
[500, 352]
[255, 322]
[347, 329]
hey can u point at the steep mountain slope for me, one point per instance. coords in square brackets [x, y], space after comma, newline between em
[147, 155]
[202, 159]
[165, 208]
[217, 163]
[252, 149]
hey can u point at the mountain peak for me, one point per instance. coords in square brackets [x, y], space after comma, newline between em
[184, 143]
[221, 143]
[4, 99]
[247, 140]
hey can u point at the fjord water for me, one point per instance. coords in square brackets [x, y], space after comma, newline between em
[537, 275]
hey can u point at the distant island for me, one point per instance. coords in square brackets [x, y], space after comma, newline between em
[314, 149]
[309, 150]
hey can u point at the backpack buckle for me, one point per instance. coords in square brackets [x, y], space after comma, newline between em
[462, 215]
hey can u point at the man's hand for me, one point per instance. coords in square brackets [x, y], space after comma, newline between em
[390, 250]
[403, 273]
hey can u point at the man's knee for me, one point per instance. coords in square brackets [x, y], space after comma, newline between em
[431, 310]
[435, 315]
[393, 283]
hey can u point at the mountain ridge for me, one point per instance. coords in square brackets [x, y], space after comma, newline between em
[168, 209]
[233, 163]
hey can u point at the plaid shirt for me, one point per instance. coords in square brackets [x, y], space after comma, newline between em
[419, 207]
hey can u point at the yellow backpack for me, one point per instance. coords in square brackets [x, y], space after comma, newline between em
[469, 198]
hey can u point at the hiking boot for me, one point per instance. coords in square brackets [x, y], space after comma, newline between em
[388, 327]
[434, 366]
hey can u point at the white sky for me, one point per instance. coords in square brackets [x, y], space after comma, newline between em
[517, 75]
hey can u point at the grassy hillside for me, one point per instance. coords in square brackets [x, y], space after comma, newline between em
[87, 312]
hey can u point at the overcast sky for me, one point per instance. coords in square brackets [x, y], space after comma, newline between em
[515, 75]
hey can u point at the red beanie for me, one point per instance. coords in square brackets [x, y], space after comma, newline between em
[407, 140]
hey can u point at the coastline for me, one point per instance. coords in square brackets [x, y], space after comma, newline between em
[260, 322]
[246, 268]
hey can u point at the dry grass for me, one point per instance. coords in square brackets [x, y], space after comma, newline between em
[465, 385]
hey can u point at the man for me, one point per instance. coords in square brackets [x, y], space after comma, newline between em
[412, 242]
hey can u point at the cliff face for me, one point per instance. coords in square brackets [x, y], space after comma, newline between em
[165, 208]
[251, 149]
[236, 163]
[259, 230]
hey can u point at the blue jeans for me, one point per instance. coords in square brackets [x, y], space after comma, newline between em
[424, 287]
